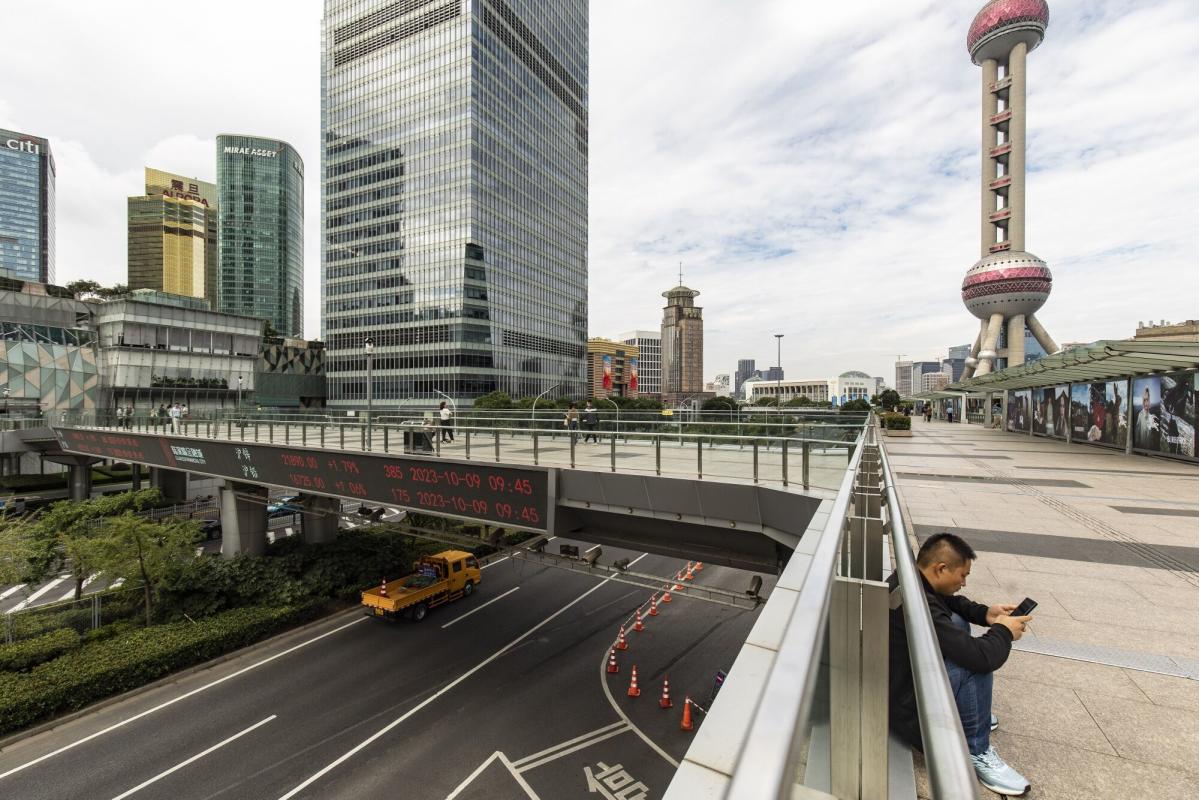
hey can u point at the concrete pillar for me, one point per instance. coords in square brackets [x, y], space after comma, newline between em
[243, 519]
[1017, 65]
[172, 483]
[1041, 335]
[136, 477]
[990, 106]
[320, 518]
[987, 355]
[79, 481]
[1015, 340]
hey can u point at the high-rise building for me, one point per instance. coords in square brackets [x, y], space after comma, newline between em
[682, 345]
[260, 184]
[903, 378]
[921, 368]
[26, 208]
[649, 346]
[773, 374]
[1007, 286]
[173, 236]
[745, 368]
[612, 369]
[454, 198]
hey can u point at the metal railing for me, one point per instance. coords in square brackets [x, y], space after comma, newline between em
[817, 724]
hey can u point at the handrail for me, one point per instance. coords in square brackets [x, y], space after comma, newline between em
[767, 770]
[946, 756]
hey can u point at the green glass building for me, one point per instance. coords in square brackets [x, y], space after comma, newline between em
[260, 183]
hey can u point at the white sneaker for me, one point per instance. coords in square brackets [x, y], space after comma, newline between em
[994, 773]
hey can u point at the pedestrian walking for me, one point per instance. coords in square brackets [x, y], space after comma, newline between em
[447, 422]
[162, 415]
[590, 423]
[120, 417]
[129, 417]
[176, 414]
[571, 420]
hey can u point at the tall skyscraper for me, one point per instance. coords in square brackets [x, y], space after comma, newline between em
[903, 378]
[260, 183]
[1007, 286]
[649, 346]
[682, 345]
[173, 236]
[745, 368]
[26, 208]
[454, 197]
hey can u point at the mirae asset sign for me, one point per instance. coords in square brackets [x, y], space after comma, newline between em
[249, 151]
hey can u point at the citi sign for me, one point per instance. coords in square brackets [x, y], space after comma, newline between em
[23, 146]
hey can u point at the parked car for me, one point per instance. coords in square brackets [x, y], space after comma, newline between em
[284, 507]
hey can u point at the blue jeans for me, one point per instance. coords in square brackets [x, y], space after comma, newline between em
[972, 691]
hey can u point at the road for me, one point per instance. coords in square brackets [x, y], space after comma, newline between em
[502, 695]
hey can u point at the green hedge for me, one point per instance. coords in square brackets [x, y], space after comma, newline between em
[28, 653]
[127, 661]
[897, 422]
[25, 483]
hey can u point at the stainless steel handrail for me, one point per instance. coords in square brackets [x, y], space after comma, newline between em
[949, 771]
[767, 768]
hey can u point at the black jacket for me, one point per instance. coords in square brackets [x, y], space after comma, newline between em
[981, 654]
[590, 418]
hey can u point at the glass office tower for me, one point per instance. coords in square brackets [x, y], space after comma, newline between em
[454, 198]
[26, 208]
[260, 184]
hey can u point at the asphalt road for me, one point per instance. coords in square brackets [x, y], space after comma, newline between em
[502, 695]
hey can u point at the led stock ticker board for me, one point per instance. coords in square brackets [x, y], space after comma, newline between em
[500, 495]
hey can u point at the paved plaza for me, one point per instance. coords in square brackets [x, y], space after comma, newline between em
[1101, 697]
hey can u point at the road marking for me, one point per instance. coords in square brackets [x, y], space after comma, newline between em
[28, 601]
[174, 700]
[7, 593]
[623, 729]
[194, 758]
[400, 719]
[479, 608]
[493, 563]
[117, 584]
[478, 770]
[532, 756]
[71, 594]
[503, 759]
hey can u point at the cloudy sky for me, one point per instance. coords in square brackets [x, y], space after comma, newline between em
[815, 171]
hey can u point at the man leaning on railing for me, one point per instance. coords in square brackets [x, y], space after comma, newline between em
[943, 564]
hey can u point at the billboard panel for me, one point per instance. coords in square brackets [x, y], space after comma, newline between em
[1019, 416]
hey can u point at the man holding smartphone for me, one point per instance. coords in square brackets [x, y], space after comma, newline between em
[944, 563]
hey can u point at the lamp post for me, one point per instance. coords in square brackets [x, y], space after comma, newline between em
[613, 402]
[369, 346]
[6, 401]
[240, 381]
[538, 397]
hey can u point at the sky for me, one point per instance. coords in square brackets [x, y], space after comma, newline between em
[813, 167]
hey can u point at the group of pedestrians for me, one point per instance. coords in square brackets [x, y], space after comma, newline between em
[172, 415]
[589, 419]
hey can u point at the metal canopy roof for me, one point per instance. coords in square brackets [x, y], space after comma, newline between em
[1103, 360]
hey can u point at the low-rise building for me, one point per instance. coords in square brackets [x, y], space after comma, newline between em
[290, 374]
[1168, 331]
[935, 381]
[847, 386]
[612, 368]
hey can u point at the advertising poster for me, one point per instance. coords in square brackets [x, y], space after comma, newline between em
[1107, 413]
[633, 364]
[607, 372]
[1061, 411]
[1177, 416]
[1019, 416]
[1147, 397]
[1080, 411]
[1042, 412]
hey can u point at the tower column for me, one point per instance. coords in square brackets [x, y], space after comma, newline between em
[1017, 68]
[1015, 340]
[1041, 335]
[987, 356]
[990, 106]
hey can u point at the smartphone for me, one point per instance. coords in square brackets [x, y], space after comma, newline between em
[1025, 608]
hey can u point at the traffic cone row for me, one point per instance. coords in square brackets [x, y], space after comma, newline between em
[653, 605]
[383, 588]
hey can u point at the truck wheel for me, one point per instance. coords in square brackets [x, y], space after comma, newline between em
[468, 589]
[419, 612]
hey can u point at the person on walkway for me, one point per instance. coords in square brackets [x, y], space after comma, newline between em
[120, 416]
[590, 423]
[129, 416]
[162, 415]
[949, 413]
[928, 412]
[184, 411]
[571, 420]
[176, 414]
[447, 422]
[944, 563]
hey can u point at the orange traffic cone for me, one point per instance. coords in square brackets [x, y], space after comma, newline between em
[665, 701]
[678, 576]
[621, 644]
[653, 605]
[634, 690]
[690, 575]
[699, 566]
[666, 596]
[686, 723]
[637, 626]
[383, 588]
[612, 665]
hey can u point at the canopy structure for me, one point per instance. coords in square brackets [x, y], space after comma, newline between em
[1104, 360]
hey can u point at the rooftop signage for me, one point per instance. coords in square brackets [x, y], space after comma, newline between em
[249, 151]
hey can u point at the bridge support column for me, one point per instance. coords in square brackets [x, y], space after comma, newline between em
[135, 477]
[243, 519]
[172, 483]
[320, 518]
[79, 481]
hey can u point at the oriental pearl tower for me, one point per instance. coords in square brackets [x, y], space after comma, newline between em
[1008, 284]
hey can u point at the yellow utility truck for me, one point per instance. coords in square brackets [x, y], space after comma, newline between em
[435, 580]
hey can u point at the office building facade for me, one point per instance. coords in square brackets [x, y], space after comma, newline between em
[173, 236]
[745, 368]
[454, 198]
[260, 188]
[26, 208]
[612, 369]
[649, 348]
[903, 378]
[682, 346]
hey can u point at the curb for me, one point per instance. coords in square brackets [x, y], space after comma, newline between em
[174, 677]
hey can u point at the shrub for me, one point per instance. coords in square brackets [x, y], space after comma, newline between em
[897, 422]
[22, 655]
[132, 659]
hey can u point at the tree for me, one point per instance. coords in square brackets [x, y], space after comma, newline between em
[768, 400]
[857, 404]
[82, 287]
[133, 547]
[720, 404]
[116, 290]
[889, 399]
[796, 402]
[18, 549]
[494, 400]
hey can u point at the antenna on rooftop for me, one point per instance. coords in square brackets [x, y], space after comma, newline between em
[680, 273]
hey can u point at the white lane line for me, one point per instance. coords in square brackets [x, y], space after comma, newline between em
[194, 758]
[28, 601]
[117, 584]
[580, 746]
[71, 594]
[493, 563]
[9, 592]
[479, 608]
[534, 756]
[470, 778]
[519, 778]
[400, 719]
[174, 700]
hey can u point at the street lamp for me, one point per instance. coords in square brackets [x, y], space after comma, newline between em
[369, 346]
[538, 397]
[240, 381]
[614, 405]
[6, 401]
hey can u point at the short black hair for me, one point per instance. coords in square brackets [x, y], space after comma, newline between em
[931, 550]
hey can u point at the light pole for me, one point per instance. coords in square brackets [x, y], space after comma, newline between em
[6, 401]
[538, 397]
[613, 402]
[778, 394]
[240, 381]
[369, 346]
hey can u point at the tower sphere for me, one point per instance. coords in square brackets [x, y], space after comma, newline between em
[1007, 283]
[1001, 24]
